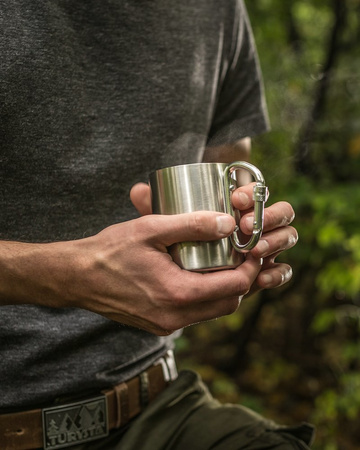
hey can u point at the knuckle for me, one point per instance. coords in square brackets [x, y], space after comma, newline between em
[178, 295]
[148, 223]
[177, 300]
[271, 217]
[197, 224]
[137, 229]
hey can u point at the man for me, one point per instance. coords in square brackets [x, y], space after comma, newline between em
[94, 97]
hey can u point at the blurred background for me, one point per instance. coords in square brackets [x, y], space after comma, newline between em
[293, 353]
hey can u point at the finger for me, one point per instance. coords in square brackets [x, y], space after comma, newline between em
[220, 295]
[195, 313]
[177, 316]
[275, 242]
[279, 214]
[242, 197]
[195, 226]
[198, 297]
[141, 198]
[276, 276]
[221, 284]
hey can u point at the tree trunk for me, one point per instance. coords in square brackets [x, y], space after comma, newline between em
[303, 155]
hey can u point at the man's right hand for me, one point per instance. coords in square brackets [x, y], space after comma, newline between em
[126, 274]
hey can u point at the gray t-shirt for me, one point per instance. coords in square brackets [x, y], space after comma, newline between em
[94, 95]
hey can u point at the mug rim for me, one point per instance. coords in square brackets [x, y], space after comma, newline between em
[224, 165]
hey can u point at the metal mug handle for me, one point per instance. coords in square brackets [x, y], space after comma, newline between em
[259, 196]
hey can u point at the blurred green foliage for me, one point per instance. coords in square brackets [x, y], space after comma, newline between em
[293, 353]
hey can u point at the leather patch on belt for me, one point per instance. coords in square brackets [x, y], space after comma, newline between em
[75, 423]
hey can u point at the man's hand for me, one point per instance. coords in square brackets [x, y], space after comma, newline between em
[126, 274]
[277, 236]
[132, 279]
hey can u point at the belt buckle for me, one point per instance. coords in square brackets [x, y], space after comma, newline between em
[75, 423]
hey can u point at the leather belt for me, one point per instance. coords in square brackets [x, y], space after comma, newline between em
[73, 423]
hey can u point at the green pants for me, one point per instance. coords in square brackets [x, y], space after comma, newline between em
[186, 417]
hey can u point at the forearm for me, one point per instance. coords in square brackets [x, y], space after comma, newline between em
[33, 273]
[124, 273]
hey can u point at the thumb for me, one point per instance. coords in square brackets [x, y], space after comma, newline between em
[141, 198]
[194, 226]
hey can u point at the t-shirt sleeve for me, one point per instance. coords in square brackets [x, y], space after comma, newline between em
[241, 108]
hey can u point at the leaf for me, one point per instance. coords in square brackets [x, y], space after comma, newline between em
[323, 321]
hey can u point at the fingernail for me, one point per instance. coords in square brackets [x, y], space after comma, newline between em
[225, 225]
[249, 223]
[243, 198]
[262, 246]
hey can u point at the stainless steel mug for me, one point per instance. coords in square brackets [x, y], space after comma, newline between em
[207, 186]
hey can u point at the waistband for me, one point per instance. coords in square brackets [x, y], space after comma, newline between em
[88, 419]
